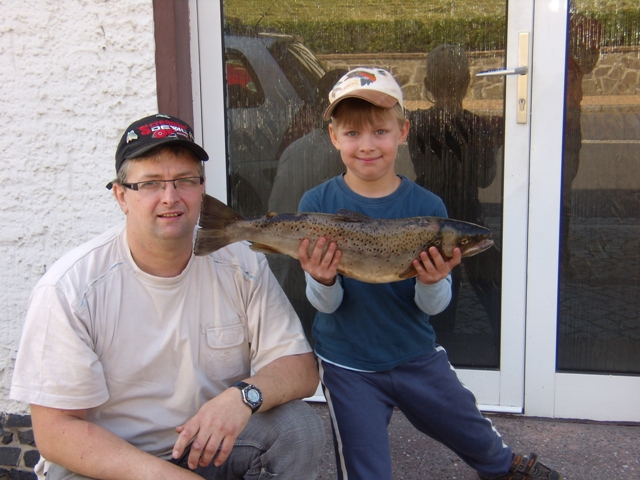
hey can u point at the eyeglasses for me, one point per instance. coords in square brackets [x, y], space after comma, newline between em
[184, 185]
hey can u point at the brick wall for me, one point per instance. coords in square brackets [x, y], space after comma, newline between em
[616, 74]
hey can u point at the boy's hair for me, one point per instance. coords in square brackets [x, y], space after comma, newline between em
[358, 112]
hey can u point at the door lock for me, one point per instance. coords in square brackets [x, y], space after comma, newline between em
[522, 70]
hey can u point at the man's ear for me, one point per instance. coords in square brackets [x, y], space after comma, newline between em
[118, 194]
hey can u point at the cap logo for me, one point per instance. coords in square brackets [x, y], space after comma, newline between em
[131, 136]
[355, 79]
[155, 130]
[164, 134]
[366, 78]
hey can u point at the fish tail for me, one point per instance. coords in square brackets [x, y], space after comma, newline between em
[208, 241]
[215, 217]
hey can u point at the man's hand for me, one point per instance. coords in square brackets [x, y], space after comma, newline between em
[432, 267]
[222, 419]
[216, 426]
[322, 267]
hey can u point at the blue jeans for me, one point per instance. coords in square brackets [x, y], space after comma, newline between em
[428, 392]
[286, 442]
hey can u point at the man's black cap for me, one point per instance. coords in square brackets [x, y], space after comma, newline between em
[155, 130]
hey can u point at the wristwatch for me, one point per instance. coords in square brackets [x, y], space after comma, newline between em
[251, 395]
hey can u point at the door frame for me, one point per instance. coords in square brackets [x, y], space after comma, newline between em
[547, 392]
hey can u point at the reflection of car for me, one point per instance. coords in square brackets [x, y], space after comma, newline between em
[268, 78]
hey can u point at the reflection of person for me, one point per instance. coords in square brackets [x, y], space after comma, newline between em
[454, 154]
[305, 163]
[135, 352]
[310, 158]
[309, 115]
[583, 51]
[375, 345]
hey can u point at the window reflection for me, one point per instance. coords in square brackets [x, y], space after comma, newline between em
[598, 321]
[269, 78]
[279, 147]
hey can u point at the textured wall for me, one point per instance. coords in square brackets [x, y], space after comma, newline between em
[73, 75]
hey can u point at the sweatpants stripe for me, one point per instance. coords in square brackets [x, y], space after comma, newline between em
[504, 445]
[327, 395]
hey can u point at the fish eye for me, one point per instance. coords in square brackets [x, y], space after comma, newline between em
[464, 241]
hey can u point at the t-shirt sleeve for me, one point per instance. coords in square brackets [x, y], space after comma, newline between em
[56, 365]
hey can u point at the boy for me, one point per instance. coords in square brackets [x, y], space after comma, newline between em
[375, 345]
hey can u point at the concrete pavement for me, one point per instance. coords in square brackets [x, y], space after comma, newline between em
[578, 450]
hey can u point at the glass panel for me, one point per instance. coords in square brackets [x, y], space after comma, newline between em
[599, 324]
[294, 52]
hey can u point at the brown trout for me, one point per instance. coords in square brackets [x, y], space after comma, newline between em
[373, 250]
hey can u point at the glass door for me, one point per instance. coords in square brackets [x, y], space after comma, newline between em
[585, 173]
[469, 142]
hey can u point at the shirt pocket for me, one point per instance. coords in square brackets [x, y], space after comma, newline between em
[225, 351]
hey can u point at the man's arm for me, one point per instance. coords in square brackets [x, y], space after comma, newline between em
[66, 438]
[219, 422]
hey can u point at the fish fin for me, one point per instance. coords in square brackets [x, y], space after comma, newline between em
[215, 215]
[271, 214]
[410, 272]
[208, 241]
[345, 215]
[262, 248]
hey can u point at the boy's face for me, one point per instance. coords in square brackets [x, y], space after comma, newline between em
[369, 151]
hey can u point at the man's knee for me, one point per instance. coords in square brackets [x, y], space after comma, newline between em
[300, 425]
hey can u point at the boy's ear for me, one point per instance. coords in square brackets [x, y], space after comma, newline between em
[334, 137]
[404, 131]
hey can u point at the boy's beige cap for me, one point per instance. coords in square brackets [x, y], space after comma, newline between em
[374, 85]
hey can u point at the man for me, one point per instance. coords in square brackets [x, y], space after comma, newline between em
[136, 356]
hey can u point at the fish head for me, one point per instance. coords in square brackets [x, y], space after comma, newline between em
[470, 238]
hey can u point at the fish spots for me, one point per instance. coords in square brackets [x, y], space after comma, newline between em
[375, 250]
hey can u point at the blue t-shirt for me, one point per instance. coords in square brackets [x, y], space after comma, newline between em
[377, 326]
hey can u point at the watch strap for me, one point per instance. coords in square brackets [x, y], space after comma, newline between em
[244, 387]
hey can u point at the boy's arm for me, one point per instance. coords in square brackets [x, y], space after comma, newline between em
[433, 299]
[323, 291]
[433, 283]
[325, 299]
[66, 438]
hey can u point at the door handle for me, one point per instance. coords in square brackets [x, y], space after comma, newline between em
[508, 71]
[522, 70]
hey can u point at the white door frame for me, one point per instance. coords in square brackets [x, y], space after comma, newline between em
[547, 393]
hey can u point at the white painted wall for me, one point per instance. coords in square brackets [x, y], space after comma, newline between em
[73, 75]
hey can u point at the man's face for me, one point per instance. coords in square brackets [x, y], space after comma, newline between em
[165, 214]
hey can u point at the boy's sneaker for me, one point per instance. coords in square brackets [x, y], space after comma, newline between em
[528, 468]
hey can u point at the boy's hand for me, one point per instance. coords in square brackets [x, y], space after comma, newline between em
[432, 267]
[323, 268]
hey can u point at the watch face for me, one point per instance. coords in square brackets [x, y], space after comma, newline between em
[253, 396]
